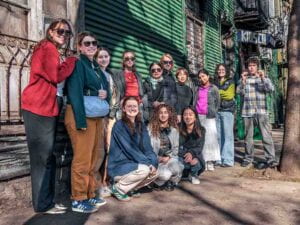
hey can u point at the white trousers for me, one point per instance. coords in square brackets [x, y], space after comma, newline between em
[172, 171]
[134, 180]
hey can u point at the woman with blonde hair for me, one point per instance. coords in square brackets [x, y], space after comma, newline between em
[169, 82]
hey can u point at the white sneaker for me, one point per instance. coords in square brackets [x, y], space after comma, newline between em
[210, 166]
[60, 206]
[195, 180]
[55, 211]
[105, 192]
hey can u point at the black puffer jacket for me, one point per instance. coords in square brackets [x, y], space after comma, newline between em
[193, 144]
[170, 95]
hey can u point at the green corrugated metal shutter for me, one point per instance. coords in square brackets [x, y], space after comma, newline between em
[149, 28]
[212, 30]
[213, 48]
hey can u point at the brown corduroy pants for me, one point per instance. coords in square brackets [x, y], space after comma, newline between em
[88, 155]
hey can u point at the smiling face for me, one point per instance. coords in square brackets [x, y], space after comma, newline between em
[182, 77]
[189, 117]
[131, 109]
[103, 59]
[88, 46]
[167, 63]
[128, 60]
[163, 115]
[221, 71]
[156, 71]
[204, 79]
[60, 34]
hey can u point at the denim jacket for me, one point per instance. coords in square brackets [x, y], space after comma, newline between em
[127, 150]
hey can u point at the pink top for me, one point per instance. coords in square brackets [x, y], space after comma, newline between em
[202, 102]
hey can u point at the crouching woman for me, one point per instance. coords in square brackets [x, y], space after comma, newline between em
[191, 141]
[165, 141]
[132, 163]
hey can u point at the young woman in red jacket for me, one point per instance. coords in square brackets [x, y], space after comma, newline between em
[40, 111]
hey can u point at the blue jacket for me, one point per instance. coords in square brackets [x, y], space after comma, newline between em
[127, 151]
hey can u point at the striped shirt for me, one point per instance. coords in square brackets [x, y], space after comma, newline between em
[254, 92]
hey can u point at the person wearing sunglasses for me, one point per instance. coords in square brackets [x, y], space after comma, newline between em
[128, 81]
[154, 89]
[86, 131]
[40, 112]
[169, 82]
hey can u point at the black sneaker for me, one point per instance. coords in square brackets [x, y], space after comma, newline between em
[134, 194]
[169, 186]
[245, 163]
[262, 165]
[272, 164]
[156, 187]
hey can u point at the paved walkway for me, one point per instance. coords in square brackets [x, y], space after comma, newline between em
[223, 197]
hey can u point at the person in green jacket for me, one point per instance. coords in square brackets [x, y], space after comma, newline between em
[225, 116]
[86, 132]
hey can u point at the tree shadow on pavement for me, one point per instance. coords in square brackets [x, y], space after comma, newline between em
[231, 216]
[67, 218]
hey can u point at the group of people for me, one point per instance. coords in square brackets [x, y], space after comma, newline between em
[126, 132]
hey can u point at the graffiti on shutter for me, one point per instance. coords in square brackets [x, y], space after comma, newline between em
[194, 45]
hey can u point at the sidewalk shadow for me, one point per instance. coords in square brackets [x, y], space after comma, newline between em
[67, 218]
[232, 217]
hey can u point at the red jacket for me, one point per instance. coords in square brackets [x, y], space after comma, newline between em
[46, 72]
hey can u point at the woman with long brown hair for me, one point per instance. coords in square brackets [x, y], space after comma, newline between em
[40, 110]
[207, 102]
[132, 163]
[128, 81]
[225, 116]
[164, 136]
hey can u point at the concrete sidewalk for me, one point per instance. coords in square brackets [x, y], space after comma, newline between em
[223, 197]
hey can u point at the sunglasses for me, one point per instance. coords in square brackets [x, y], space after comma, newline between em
[89, 43]
[126, 59]
[63, 32]
[168, 62]
[156, 70]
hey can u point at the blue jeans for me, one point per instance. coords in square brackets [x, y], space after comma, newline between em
[225, 122]
[193, 169]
